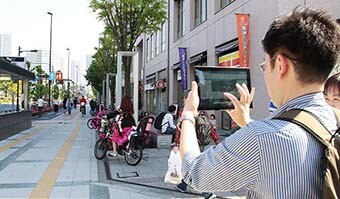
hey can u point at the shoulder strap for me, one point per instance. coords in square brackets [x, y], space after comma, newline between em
[309, 122]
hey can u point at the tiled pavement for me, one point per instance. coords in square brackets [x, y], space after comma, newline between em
[25, 158]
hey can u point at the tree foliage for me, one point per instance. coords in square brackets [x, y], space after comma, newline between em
[103, 61]
[39, 90]
[55, 91]
[9, 87]
[126, 20]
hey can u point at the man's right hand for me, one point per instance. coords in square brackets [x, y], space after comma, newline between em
[241, 113]
[192, 101]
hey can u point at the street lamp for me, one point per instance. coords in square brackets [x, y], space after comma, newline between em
[22, 85]
[68, 69]
[49, 62]
[21, 51]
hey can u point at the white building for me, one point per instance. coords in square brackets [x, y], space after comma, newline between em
[208, 29]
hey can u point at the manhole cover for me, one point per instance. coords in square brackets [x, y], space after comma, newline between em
[127, 174]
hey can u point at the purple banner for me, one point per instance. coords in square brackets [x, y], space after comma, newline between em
[183, 67]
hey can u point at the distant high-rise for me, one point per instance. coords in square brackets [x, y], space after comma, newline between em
[5, 44]
[88, 61]
[41, 58]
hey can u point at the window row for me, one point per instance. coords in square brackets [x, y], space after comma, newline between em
[197, 17]
[156, 43]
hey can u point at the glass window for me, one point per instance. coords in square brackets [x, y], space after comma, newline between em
[147, 49]
[152, 41]
[157, 43]
[163, 37]
[200, 11]
[180, 18]
[224, 3]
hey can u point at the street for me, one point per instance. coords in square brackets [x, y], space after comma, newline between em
[54, 159]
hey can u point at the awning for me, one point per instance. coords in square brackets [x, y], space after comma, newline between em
[198, 57]
[227, 46]
[13, 71]
[175, 66]
[193, 59]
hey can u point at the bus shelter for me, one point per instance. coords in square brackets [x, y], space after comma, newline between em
[18, 117]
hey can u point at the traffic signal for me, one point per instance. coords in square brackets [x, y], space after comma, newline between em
[59, 77]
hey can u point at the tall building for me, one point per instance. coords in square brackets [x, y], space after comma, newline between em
[5, 44]
[75, 71]
[42, 58]
[208, 29]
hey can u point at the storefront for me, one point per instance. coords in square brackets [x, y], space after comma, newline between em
[155, 89]
[149, 89]
[161, 86]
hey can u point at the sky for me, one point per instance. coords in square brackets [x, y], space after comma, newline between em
[74, 26]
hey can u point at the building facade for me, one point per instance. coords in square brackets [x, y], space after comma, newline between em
[208, 31]
[5, 44]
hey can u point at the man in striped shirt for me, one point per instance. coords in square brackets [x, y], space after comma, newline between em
[272, 158]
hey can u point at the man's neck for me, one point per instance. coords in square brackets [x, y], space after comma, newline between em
[299, 89]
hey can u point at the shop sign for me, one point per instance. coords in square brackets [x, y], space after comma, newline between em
[243, 38]
[160, 84]
[183, 67]
[150, 86]
[230, 60]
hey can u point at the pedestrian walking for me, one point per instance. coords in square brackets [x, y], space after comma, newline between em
[40, 105]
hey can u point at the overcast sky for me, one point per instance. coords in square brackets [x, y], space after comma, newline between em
[75, 26]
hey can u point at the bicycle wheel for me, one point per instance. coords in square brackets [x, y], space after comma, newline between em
[82, 110]
[100, 149]
[89, 124]
[134, 156]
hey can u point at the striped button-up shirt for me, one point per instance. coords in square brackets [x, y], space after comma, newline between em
[270, 158]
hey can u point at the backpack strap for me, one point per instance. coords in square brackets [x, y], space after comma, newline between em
[309, 122]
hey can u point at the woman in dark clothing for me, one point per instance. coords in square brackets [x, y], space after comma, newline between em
[125, 123]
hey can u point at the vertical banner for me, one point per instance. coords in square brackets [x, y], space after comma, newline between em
[243, 38]
[183, 67]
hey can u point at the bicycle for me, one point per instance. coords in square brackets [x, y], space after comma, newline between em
[132, 150]
[82, 109]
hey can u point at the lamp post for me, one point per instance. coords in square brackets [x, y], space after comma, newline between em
[22, 85]
[49, 62]
[68, 69]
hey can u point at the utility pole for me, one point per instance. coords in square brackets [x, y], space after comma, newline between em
[49, 62]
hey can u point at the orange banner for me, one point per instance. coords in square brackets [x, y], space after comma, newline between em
[243, 38]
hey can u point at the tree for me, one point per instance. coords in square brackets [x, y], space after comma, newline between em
[104, 61]
[55, 91]
[38, 90]
[8, 87]
[126, 20]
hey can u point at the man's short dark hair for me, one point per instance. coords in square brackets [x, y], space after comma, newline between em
[172, 108]
[310, 38]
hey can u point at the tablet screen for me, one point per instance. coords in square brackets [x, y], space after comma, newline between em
[214, 81]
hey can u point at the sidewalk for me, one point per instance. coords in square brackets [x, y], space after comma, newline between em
[54, 159]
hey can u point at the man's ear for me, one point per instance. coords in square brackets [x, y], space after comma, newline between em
[283, 65]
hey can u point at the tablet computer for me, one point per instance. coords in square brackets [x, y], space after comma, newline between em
[213, 81]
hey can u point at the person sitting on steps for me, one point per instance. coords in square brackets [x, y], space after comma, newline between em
[168, 124]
